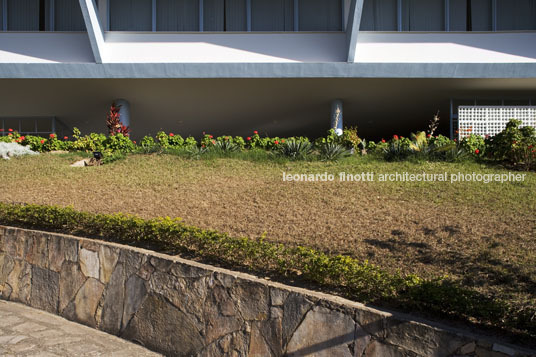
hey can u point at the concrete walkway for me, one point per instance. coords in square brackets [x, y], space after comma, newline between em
[28, 332]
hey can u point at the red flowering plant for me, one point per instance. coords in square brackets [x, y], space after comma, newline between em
[170, 140]
[10, 137]
[36, 143]
[113, 121]
[254, 141]
[397, 149]
[473, 144]
[208, 141]
[53, 144]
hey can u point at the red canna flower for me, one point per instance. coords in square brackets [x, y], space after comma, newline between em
[214, 141]
[22, 138]
[171, 134]
[395, 137]
[65, 138]
[42, 141]
[255, 132]
[282, 141]
[248, 138]
[203, 145]
[52, 136]
[383, 140]
[276, 142]
[134, 141]
[210, 136]
[9, 134]
[429, 135]
[9, 129]
[477, 151]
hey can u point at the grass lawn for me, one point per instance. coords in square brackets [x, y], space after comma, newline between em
[483, 235]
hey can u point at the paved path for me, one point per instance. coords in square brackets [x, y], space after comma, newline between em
[28, 332]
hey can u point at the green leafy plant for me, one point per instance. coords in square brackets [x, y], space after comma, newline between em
[294, 149]
[149, 145]
[419, 143]
[91, 142]
[474, 145]
[119, 142]
[333, 151]
[398, 149]
[515, 145]
[170, 140]
[196, 152]
[226, 146]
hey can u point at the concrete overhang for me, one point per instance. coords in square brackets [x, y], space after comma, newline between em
[265, 70]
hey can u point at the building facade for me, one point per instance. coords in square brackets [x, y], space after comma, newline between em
[234, 66]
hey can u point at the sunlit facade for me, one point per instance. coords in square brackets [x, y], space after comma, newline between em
[233, 66]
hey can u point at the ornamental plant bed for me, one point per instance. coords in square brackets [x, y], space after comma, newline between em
[413, 234]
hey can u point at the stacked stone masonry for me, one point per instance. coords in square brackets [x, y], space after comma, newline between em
[183, 308]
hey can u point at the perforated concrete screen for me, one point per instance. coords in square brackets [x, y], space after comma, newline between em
[490, 120]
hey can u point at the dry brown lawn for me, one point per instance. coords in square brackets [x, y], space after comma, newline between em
[481, 234]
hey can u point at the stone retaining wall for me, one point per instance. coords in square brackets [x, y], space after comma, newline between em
[183, 308]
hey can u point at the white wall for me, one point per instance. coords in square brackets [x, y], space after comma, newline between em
[35, 47]
[393, 47]
[224, 47]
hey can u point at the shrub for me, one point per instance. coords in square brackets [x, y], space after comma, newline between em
[440, 141]
[333, 151]
[91, 142]
[119, 143]
[52, 143]
[419, 144]
[195, 152]
[453, 152]
[349, 139]
[398, 149]
[113, 121]
[294, 149]
[514, 145]
[170, 140]
[473, 144]
[148, 145]
[225, 145]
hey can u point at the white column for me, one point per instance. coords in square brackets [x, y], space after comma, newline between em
[94, 30]
[352, 29]
[336, 116]
[124, 111]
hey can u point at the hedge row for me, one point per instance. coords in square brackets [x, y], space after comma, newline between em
[354, 279]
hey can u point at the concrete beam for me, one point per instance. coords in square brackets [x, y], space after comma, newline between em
[94, 30]
[352, 29]
[474, 71]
